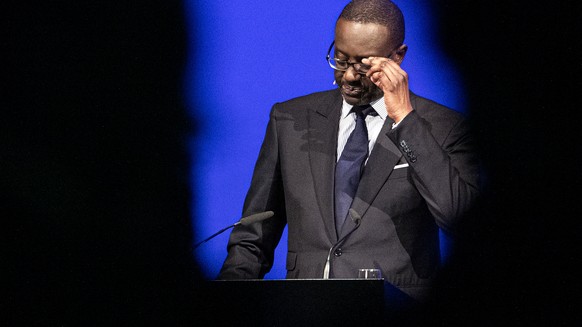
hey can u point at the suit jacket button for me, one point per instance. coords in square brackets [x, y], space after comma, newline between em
[338, 252]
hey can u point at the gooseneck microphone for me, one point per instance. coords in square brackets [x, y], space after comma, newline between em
[254, 218]
[357, 219]
[246, 221]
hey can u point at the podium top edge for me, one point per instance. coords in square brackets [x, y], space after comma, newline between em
[298, 280]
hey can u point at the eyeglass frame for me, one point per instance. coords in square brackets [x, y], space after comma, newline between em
[350, 64]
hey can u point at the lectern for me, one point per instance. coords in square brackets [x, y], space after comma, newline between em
[292, 302]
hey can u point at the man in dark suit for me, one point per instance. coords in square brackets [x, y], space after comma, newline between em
[421, 172]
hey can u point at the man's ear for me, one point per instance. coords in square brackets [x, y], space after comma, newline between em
[399, 54]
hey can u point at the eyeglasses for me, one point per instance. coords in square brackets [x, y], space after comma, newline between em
[344, 65]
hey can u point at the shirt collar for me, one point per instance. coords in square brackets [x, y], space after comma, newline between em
[378, 105]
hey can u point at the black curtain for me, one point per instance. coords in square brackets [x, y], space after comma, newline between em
[517, 261]
[95, 195]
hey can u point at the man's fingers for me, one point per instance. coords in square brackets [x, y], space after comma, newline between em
[378, 64]
[384, 72]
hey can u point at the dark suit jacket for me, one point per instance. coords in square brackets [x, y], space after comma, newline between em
[401, 208]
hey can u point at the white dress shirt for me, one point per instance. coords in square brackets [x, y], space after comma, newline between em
[348, 123]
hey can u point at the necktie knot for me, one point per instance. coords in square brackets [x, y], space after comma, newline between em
[364, 111]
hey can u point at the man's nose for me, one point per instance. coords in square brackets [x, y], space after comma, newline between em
[351, 74]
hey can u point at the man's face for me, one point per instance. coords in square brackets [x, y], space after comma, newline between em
[353, 42]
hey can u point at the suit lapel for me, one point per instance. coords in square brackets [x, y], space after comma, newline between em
[323, 129]
[385, 155]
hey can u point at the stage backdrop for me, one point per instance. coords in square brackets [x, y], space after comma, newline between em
[246, 55]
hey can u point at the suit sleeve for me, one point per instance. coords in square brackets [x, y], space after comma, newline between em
[445, 171]
[251, 248]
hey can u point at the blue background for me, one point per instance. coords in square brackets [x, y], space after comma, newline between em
[246, 56]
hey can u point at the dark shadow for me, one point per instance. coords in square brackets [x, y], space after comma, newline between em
[515, 264]
[94, 176]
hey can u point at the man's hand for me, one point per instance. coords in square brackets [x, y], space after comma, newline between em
[393, 81]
